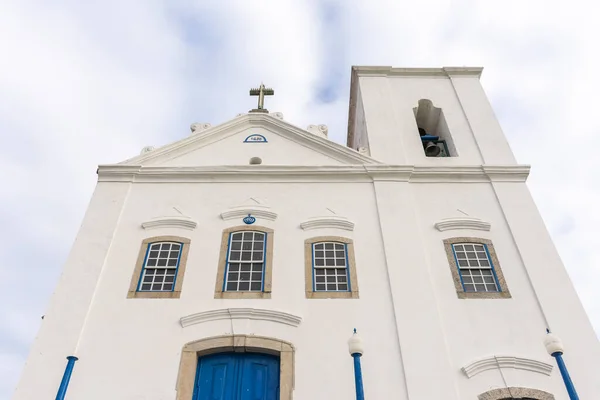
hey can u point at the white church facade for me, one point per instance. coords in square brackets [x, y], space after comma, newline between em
[236, 262]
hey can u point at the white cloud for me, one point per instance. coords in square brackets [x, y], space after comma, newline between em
[92, 82]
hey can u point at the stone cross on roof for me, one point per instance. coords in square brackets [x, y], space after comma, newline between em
[261, 92]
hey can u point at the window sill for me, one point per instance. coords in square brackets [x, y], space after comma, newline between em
[153, 295]
[242, 295]
[331, 295]
[484, 295]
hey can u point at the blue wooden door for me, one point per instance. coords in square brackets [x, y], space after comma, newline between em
[237, 376]
[260, 377]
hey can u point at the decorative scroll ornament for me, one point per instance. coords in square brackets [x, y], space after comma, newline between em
[147, 149]
[249, 220]
[199, 127]
[319, 130]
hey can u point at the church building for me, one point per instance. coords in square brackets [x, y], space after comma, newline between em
[235, 263]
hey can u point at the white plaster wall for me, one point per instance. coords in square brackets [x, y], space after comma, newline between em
[361, 138]
[554, 290]
[386, 143]
[415, 328]
[392, 130]
[66, 316]
[136, 350]
[475, 329]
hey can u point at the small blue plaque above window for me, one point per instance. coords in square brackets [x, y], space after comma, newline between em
[249, 220]
[255, 138]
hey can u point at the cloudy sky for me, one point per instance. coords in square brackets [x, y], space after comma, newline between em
[88, 83]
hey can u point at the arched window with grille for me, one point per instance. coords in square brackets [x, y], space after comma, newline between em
[245, 263]
[475, 268]
[160, 268]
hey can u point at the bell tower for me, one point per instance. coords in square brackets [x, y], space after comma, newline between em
[424, 116]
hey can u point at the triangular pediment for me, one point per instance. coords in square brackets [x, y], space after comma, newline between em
[265, 139]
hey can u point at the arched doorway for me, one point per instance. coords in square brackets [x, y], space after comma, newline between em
[237, 376]
[194, 353]
[518, 393]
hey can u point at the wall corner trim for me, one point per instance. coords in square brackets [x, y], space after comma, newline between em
[447, 224]
[241, 313]
[330, 221]
[494, 362]
[170, 222]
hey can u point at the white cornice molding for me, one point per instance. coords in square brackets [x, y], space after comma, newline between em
[241, 313]
[288, 173]
[507, 173]
[391, 71]
[458, 173]
[329, 221]
[254, 210]
[448, 224]
[495, 362]
[170, 222]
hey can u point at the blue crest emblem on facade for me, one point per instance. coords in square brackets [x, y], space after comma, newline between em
[249, 220]
[255, 138]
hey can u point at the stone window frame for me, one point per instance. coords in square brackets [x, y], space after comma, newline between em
[240, 344]
[133, 292]
[504, 293]
[267, 277]
[515, 393]
[308, 269]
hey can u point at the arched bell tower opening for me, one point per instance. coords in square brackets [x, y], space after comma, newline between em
[433, 130]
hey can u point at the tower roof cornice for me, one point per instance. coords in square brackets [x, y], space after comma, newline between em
[391, 71]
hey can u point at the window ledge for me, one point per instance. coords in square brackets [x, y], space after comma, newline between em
[484, 295]
[332, 295]
[153, 295]
[241, 313]
[242, 295]
[494, 362]
[448, 224]
[333, 222]
[170, 222]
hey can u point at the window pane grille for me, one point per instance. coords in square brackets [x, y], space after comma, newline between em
[330, 269]
[160, 267]
[475, 267]
[245, 262]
